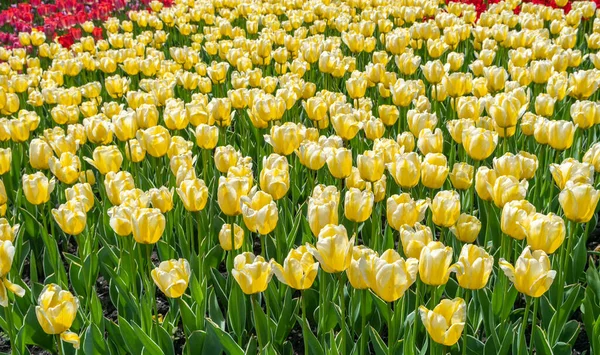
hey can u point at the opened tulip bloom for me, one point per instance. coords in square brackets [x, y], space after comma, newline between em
[333, 250]
[148, 225]
[299, 269]
[252, 273]
[545, 232]
[172, 277]
[445, 323]
[56, 312]
[37, 188]
[532, 274]
[358, 269]
[434, 264]
[390, 275]
[579, 201]
[474, 267]
[260, 212]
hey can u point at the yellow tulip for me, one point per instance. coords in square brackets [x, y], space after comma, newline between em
[388, 114]
[147, 225]
[592, 156]
[154, 140]
[311, 155]
[560, 134]
[115, 183]
[207, 136]
[358, 268]
[358, 205]
[226, 157]
[7, 253]
[430, 141]
[229, 193]
[390, 275]
[573, 171]
[37, 188]
[333, 249]
[260, 212]
[39, 154]
[339, 162]
[106, 159]
[434, 170]
[71, 217]
[125, 125]
[370, 165]
[531, 274]
[356, 87]
[479, 143]
[467, 228]
[406, 169]
[474, 267]
[3, 195]
[120, 220]
[445, 323]
[515, 218]
[194, 194]
[299, 269]
[56, 311]
[135, 198]
[172, 277]
[406, 140]
[579, 201]
[5, 160]
[445, 208]
[462, 176]
[7, 233]
[507, 188]
[434, 71]
[252, 273]
[66, 169]
[225, 237]
[346, 125]
[544, 105]
[434, 264]
[402, 209]
[545, 232]
[284, 139]
[161, 198]
[275, 176]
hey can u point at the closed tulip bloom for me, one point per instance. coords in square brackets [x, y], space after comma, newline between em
[585, 113]
[529, 165]
[147, 225]
[402, 209]
[260, 212]
[284, 139]
[545, 232]
[39, 154]
[430, 142]
[66, 169]
[275, 176]
[406, 140]
[445, 323]
[161, 198]
[515, 218]
[125, 125]
[172, 277]
[299, 269]
[135, 198]
[507, 188]
[316, 108]
[252, 273]
[8, 232]
[561, 134]
[370, 165]
[333, 249]
[120, 220]
[434, 264]
[225, 237]
[579, 201]
[484, 182]
[322, 208]
[115, 183]
[226, 157]
[388, 114]
[406, 169]
[37, 188]
[155, 140]
[194, 194]
[229, 194]
[573, 171]
[434, 71]
[390, 275]
[434, 170]
[358, 205]
[106, 159]
[462, 176]
[445, 208]
[418, 121]
[346, 125]
[5, 160]
[19, 130]
[479, 143]
[356, 87]
[358, 268]
[7, 253]
[467, 228]
[544, 105]
[592, 156]
[339, 163]
[56, 311]
[207, 136]
[413, 239]
[531, 274]
[311, 155]
[3, 196]
[71, 217]
[474, 267]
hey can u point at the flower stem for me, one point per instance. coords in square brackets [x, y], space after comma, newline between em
[466, 329]
[536, 303]
[416, 321]
[363, 320]
[304, 323]
[525, 316]
[343, 311]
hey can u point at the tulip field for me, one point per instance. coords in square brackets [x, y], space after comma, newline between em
[299, 177]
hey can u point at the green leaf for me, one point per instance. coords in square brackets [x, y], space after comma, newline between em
[474, 345]
[540, 341]
[286, 321]
[378, 344]
[236, 312]
[33, 334]
[314, 346]
[93, 341]
[215, 333]
[132, 330]
[214, 311]
[561, 348]
[194, 342]
[570, 332]
[260, 322]
[560, 318]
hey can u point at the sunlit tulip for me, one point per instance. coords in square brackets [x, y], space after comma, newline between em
[579, 201]
[194, 194]
[323, 208]
[225, 237]
[115, 183]
[161, 198]
[7, 253]
[402, 209]
[226, 157]
[466, 229]
[462, 176]
[358, 205]
[479, 143]
[311, 155]
[592, 156]
[66, 169]
[445, 323]
[275, 176]
[56, 311]
[356, 87]
[434, 264]
[207, 136]
[358, 269]
[413, 239]
[155, 140]
[390, 275]
[37, 188]
[388, 114]
[434, 71]
[430, 141]
[474, 267]
[531, 274]
[5, 160]
[406, 169]
[339, 163]
[573, 171]
[418, 121]
[299, 269]
[515, 218]
[507, 188]
[346, 125]
[252, 273]
[8, 232]
[434, 170]
[71, 217]
[229, 193]
[172, 277]
[260, 212]
[39, 154]
[120, 220]
[333, 250]
[544, 105]
[316, 108]
[407, 141]
[106, 159]
[147, 225]
[284, 139]
[560, 134]
[445, 208]
[134, 151]
[545, 232]
[125, 125]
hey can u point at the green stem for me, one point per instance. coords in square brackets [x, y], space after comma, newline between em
[8, 312]
[525, 316]
[343, 310]
[416, 321]
[390, 329]
[466, 329]
[60, 350]
[304, 323]
[536, 303]
[363, 320]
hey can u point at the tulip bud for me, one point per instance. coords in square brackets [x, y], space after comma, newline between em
[370, 165]
[161, 198]
[474, 267]
[299, 269]
[333, 249]
[445, 323]
[207, 136]
[358, 205]
[194, 194]
[479, 143]
[406, 169]
[358, 268]
[229, 194]
[172, 277]
[71, 217]
[560, 134]
[148, 225]
[532, 274]
[5, 160]
[120, 220]
[56, 311]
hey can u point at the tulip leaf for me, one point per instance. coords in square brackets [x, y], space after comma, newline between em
[579, 257]
[194, 342]
[136, 339]
[570, 332]
[382, 307]
[378, 344]
[314, 346]
[33, 334]
[559, 319]
[219, 283]
[251, 347]
[222, 339]
[540, 341]
[214, 311]
[474, 345]
[92, 341]
[260, 322]
[236, 312]
[286, 322]
[165, 341]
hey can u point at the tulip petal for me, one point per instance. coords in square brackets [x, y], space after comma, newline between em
[70, 337]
